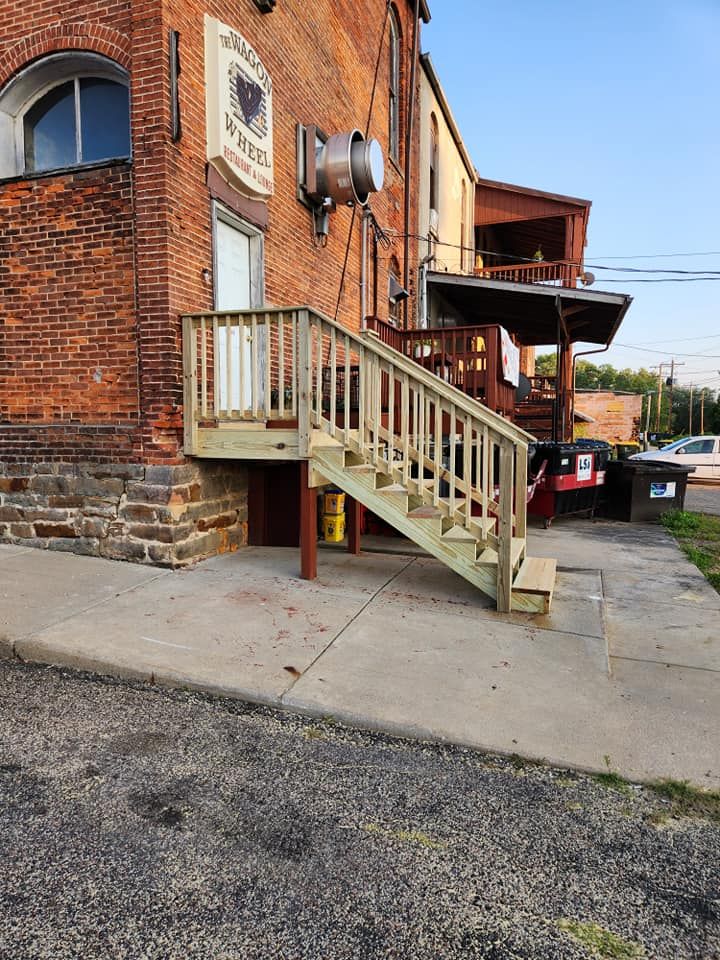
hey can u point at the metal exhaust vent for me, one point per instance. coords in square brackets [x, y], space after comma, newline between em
[349, 168]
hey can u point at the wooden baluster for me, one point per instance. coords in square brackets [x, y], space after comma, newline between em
[391, 416]
[477, 485]
[333, 381]
[415, 418]
[189, 385]
[266, 366]
[216, 366]
[242, 364]
[319, 392]
[467, 467]
[228, 366]
[281, 366]
[420, 438]
[363, 395]
[452, 461]
[203, 367]
[254, 385]
[504, 550]
[486, 470]
[437, 458]
[405, 427]
[347, 393]
[521, 467]
[305, 392]
[377, 388]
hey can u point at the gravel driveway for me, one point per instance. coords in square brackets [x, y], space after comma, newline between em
[136, 822]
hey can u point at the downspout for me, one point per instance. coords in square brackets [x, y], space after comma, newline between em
[408, 155]
[584, 353]
[423, 319]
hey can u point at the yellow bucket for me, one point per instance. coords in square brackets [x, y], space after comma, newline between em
[334, 527]
[334, 503]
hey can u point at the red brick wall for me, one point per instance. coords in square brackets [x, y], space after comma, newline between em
[68, 332]
[616, 415]
[67, 318]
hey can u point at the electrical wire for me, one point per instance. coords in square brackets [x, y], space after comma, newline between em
[704, 356]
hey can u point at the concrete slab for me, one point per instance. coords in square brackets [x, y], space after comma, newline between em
[428, 584]
[677, 583]
[542, 694]
[38, 587]
[8, 550]
[681, 633]
[593, 544]
[339, 574]
[484, 683]
[230, 628]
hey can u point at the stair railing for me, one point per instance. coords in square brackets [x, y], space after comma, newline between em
[297, 367]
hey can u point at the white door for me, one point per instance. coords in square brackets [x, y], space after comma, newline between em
[233, 292]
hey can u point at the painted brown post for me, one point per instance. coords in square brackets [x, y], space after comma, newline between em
[354, 513]
[189, 387]
[308, 524]
[504, 569]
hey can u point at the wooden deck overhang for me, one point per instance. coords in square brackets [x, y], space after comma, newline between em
[530, 311]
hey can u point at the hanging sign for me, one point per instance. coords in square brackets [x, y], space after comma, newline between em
[510, 358]
[238, 98]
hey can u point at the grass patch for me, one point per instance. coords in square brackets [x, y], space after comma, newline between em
[612, 780]
[698, 535]
[600, 941]
[686, 801]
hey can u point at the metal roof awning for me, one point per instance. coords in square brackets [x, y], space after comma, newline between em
[530, 311]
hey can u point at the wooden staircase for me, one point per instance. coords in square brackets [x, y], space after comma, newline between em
[437, 465]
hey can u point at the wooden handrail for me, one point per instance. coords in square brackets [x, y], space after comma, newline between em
[560, 272]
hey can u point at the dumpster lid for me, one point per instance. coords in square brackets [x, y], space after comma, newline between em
[651, 466]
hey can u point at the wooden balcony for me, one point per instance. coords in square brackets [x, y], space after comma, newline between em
[467, 358]
[556, 273]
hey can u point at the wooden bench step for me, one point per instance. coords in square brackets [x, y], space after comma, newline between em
[534, 585]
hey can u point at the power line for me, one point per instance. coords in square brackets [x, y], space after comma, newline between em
[631, 346]
[709, 336]
[660, 256]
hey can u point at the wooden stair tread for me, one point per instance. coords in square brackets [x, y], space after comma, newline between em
[489, 555]
[426, 512]
[536, 575]
[458, 533]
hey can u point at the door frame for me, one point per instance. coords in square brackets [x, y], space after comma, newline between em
[219, 212]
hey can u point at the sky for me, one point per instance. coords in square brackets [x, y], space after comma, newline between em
[614, 102]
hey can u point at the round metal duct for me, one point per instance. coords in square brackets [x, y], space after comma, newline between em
[349, 168]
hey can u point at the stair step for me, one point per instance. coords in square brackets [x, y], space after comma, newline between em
[489, 556]
[534, 585]
[457, 533]
[426, 512]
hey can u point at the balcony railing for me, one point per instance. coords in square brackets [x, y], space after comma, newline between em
[557, 273]
[468, 358]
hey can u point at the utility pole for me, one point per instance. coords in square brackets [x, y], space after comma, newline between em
[659, 401]
[670, 394]
[702, 411]
[690, 412]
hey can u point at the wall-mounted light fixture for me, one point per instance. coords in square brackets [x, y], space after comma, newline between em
[265, 6]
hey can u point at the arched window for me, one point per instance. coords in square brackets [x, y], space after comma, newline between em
[394, 89]
[67, 110]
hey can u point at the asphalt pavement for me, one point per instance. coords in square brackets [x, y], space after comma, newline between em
[703, 498]
[137, 822]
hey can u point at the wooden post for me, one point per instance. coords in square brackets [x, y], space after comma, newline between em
[354, 513]
[521, 470]
[308, 525]
[189, 387]
[304, 354]
[504, 569]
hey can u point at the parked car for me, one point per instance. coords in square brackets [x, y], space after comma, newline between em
[703, 453]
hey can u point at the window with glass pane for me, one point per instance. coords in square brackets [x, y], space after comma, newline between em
[394, 90]
[50, 126]
[50, 131]
[104, 120]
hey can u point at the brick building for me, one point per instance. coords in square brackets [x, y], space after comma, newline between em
[113, 224]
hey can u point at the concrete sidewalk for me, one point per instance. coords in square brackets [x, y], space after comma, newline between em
[627, 666]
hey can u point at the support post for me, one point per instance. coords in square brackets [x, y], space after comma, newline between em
[189, 346]
[504, 549]
[308, 525]
[354, 512]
